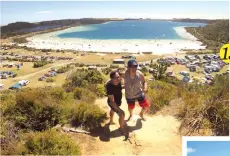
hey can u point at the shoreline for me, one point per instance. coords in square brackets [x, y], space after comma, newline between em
[156, 46]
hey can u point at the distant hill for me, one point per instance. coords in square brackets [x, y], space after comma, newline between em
[213, 35]
[19, 28]
[193, 20]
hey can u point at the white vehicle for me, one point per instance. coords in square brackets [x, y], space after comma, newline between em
[24, 82]
[1, 86]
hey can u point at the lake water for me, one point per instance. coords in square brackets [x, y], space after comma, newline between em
[129, 29]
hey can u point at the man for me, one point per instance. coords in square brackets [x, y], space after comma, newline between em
[135, 88]
[114, 93]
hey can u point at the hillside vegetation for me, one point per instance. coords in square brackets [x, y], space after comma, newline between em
[29, 116]
[203, 108]
[214, 35]
[193, 20]
[19, 28]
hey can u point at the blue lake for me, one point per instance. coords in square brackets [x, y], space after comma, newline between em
[130, 29]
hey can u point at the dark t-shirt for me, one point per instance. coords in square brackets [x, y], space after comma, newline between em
[114, 90]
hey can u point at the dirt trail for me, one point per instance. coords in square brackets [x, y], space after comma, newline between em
[156, 136]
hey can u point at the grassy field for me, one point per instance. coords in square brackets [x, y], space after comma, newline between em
[58, 80]
[94, 58]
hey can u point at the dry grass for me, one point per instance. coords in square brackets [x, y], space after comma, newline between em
[27, 69]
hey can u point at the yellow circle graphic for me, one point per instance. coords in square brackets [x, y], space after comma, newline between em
[225, 53]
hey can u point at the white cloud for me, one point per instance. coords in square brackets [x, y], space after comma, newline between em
[191, 150]
[44, 12]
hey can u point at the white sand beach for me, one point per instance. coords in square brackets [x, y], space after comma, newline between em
[156, 46]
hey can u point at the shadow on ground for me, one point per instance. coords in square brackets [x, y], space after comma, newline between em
[104, 133]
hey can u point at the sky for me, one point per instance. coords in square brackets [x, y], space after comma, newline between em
[208, 148]
[32, 11]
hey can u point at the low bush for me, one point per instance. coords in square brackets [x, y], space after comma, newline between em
[160, 94]
[39, 109]
[112, 66]
[84, 95]
[39, 64]
[63, 69]
[206, 107]
[144, 70]
[100, 90]
[49, 79]
[106, 71]
[49, 142]
[83, 78]
[89, 116]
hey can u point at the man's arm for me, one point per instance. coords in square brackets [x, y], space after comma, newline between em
[144, 83]
[112, 102]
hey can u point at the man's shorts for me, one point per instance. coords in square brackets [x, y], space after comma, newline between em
[143, 102]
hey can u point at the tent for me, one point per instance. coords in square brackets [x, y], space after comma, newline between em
[16, 86]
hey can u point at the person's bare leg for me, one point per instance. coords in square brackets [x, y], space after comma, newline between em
[130, 113]
[122, 126]
[143, 110]
[111, 117]
[121, 121]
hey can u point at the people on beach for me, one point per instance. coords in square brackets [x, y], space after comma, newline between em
[114, 93]
[135, 89]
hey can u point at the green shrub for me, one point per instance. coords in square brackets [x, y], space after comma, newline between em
[160, 94]
[49, 79]
[159, 70]
[114, 66]
[81, 65]
[49, 142]
[39, 64]
[84, 95]
[206, 107]
[39, 109]
[144, 70]
[82, 78]
[100, 90]
[89, 116]
[9, 133]
[171, 80]
[106, 71]
[63, 69]
[8, 100]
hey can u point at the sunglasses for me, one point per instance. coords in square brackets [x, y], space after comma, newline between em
[116, 77]
[135, 66]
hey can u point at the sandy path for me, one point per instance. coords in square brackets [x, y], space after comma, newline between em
[156, 136]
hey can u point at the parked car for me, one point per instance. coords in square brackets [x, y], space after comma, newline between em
[1, 86]
[184, 73]
[197, 57]
[209, 77]
[13, 75]
[42, 78]
[4, 76]
[192, 68]
[24, 82]
[208, 70]
[188, 65]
